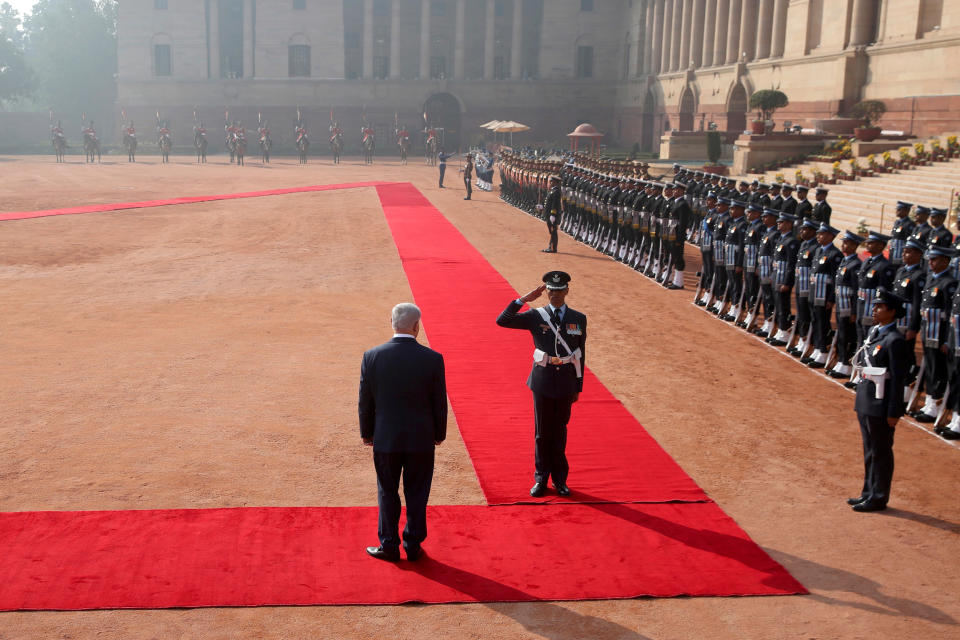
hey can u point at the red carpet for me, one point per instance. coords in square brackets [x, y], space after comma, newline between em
[297, 556]
[291, 556]
[612, 458]
[119, 206]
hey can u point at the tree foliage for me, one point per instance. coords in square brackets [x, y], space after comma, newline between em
[15, 78]
[869, 110]
[766, 101]
[72, 47]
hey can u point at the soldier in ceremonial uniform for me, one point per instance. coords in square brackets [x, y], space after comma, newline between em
[951, 430]
[807, 247]
[784, 274]
[719, 284]
[556, 380]
[776, 200]
[822, 210]
[908, 283]
[804, 209]
[768, 245]
[921, 231]
[789, 203]
[883, 362]
[846, 294]
[733, 246]
[706, 248]
[823, 273]
[935, 311]
[939, 234]
[902, 230]
[876, 272]
[753, 235]
[680, 217]
[552, 211]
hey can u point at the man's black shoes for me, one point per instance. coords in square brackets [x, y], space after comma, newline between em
[866, 506]
[414, 553]
[855, 501]
[538, 489]
[563, 490]
[384, 554]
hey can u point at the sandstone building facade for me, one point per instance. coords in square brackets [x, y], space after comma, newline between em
[634, 68]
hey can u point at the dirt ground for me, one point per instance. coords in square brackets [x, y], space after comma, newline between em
[207, 355]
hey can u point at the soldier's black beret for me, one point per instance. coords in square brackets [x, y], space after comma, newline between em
[556, 279]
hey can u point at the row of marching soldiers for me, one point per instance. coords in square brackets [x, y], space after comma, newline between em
[753, 256]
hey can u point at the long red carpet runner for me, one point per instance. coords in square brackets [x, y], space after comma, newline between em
[636, 524]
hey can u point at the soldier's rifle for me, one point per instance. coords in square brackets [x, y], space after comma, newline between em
[919, 384]
[943, 407]
[806, 342]
[754, 312]
[832, 351]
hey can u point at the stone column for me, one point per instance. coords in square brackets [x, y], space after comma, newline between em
[676, 36]
[748, 29]
[667, 31]
[425, 39]
[368, 39]
[720, 37]
[395, 14]
[488, 43]
[648, 29]
[656, 38]
[709, 33]
[764, 29]
[214, 39]
[686, 25]
[733, 31]
[697, 45]
[459, 41]
[248, 39]
[516, 46]
[779, 28]
[861, 26]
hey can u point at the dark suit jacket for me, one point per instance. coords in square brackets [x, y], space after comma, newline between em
[403, 397]
[551, 381]
[889, 350]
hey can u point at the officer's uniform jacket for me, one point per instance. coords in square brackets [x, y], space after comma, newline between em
[935, 307]
[875, 272]
[802, 271]
[789, 205]
[733, 242]
[921, 232]
[908, 283]
[552, 381]
[847, 285]
[777, 202]
[768, 245]
[804, 210]
[823, 273]
[939, 237]
[821, 212]
[751, 245]
[552, 207]
[680, 217]
[886, 350]
[785, 260]
[720, 221]
[902, 230]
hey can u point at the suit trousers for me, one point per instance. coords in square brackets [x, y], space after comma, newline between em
[706, 270]
[551, 416]
[769, 301]
[734, 287]
[782, 307]
[846, 339]
[416, 469]
[877, 458]
[821, 328]
[443, 170]
[803, 314]
[934, 372]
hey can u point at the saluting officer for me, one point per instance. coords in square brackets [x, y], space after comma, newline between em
[808, 246]
[902, 230]
[784, 273]
[556, 380]
[826, 261]
[883, 361]
[846, 284]
[935, 310]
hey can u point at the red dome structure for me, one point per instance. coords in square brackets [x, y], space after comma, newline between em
[585, 130]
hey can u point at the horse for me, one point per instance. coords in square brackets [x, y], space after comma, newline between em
[130, 144]
[303, 146]
[91, 146]
[164, 143]
[404, 144]
[239, 147]
[431, 151]
[200, 143]
[265, 145]
[59, 145]
[369, 147]
[336, 146]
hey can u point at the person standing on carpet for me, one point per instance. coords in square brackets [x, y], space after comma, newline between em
[883, 360]
[556, 380]
[403, 416]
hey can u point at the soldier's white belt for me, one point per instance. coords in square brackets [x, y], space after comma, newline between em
[878, 376]
[543, 359]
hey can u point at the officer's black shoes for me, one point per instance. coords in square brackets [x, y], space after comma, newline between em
[699, 302]
[467, 198]
[850, 384]
[835, 374]
[538, 489]
[949, 434]
[384, 554]
[857, 500]
[673, 287]
[815, 365]
[867, 506]
[920, 416]
[776, 343]
[563, 490]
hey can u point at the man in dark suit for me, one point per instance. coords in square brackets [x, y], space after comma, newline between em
[559, 337]
[883, 361]
[403, 416]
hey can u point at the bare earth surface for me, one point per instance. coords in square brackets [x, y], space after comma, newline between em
[208, 355]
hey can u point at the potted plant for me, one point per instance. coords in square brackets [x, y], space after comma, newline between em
[855, 168]
[870, 111]
[766, 101]
[798, 177]
[936, 151]
[953, 146]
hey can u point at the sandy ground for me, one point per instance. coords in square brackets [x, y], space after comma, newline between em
[207, 355]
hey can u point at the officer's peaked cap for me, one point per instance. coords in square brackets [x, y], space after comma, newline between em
[892, 300]
[934, 211]
[810, 223]
[946, 252]
[787, 217]
[754, 207]
[556, 279]
[876, 236]
[851, 236]
[916, 245]
[771, 212]
[922, 210]
[904, 205]
[825, 228]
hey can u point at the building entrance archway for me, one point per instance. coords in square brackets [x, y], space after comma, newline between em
[687, 107]
[737, 109]
[443, 110]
